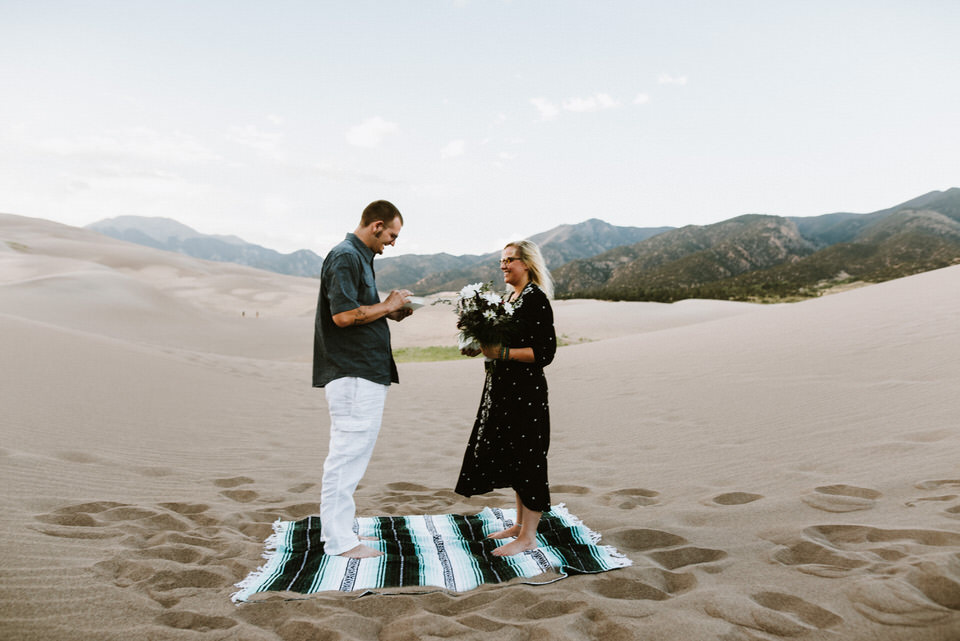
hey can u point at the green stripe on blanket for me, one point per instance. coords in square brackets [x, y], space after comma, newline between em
[447, 551]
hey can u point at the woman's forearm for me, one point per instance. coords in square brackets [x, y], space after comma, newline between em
[521, 354]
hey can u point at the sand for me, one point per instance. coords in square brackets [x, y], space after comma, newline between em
[774, 472]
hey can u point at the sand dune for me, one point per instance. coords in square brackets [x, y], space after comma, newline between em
[774, 472]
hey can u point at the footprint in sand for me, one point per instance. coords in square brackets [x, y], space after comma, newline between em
[773, 613]
[569, 489]
[952, 511]
[736, 498]
[668, 550]
[938, 484]
[921, 595]
[301, 488]
[641, 539]
[630, 498]
[682, 557]
[79, 521]
[412, 498]
[233, 481]
[167, 551]
[240, 496]
[841, 498]
[905, 577]
[650, 584]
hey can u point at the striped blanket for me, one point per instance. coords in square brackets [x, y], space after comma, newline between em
[448, 551]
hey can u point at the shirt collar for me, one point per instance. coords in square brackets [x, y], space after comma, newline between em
[365, 251]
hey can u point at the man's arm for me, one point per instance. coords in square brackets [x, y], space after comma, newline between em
[369, 313]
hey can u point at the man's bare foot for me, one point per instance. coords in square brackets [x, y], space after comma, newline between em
[506, 534]
[515, 547]
[361, 552]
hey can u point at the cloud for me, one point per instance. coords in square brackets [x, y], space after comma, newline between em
[251, 136]
[548, 110]
[371, 132]
[597, 102]
[131, 143]
[641, 99]
[593, 103]
[343, 173]
[453, 149]
[667, 79]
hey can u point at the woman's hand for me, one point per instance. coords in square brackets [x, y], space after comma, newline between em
[491, 351]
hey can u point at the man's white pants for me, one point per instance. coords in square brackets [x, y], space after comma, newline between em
[356, 411]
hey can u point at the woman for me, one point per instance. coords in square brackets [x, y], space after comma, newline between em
[511, 434]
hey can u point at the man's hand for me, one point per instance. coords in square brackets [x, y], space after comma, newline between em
[397, 299]
[393, 308]
[400, 314]
[395, 302]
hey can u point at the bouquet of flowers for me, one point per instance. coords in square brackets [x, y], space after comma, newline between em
[483, 317]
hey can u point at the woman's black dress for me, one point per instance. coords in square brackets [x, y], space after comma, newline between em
[511, 434]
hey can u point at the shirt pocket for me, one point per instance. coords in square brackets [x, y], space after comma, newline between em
[369, 289]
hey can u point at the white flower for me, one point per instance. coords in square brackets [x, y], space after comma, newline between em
[490, 314]
[471, 290]
[491, 298]
[508, 309]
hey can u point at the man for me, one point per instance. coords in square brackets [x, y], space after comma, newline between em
[353, 361]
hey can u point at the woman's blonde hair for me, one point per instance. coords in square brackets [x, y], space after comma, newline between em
[529, 253]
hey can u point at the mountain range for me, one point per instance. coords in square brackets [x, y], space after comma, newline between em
[760, 257]
[168, 234]
[750, 257]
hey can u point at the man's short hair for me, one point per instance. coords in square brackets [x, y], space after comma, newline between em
[381, 210]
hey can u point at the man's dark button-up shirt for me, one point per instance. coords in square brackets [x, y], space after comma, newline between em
[347, 282]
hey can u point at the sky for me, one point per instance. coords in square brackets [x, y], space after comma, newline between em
[484, 121]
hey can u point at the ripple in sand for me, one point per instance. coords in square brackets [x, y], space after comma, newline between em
[185, 620]
[77, 457]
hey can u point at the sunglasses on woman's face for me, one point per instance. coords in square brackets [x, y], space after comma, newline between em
[509, 259]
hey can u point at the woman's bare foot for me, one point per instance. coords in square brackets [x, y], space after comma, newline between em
[510, 532]
[361, 552]
[515, 547]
